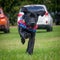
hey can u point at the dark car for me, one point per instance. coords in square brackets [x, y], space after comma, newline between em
[57, 18]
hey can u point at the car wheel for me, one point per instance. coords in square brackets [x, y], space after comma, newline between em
[57, 23]
[49, 29]
[6, 30]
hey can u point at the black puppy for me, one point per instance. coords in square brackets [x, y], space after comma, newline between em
[29, 30]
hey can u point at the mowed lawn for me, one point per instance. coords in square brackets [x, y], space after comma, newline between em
[47, 45]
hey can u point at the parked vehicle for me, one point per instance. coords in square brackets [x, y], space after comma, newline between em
[4, 22]
[57, 18]
[45, 20]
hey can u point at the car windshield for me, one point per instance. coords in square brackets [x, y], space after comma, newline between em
[35, 8]
[0, 12]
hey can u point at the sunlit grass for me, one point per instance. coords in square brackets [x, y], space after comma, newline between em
[47, 45]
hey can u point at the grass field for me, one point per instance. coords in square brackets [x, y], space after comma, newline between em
[47, 45]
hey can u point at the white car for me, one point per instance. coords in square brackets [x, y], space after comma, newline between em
[45, 20]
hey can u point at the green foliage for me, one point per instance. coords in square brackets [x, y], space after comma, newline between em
[11, 7]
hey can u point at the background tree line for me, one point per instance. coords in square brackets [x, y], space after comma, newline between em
[12, 7]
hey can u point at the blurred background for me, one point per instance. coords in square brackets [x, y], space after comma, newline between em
[12, 7]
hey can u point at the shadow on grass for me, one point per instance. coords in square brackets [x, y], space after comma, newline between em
[41, 31]
[3, 33]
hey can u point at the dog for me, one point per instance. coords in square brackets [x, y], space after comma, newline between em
[27, 29]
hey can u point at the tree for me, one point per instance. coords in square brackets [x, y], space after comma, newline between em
[11, 7]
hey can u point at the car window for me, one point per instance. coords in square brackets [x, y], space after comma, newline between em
[34, 8]
[0, 12]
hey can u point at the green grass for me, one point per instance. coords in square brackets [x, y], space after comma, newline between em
[47, 45]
